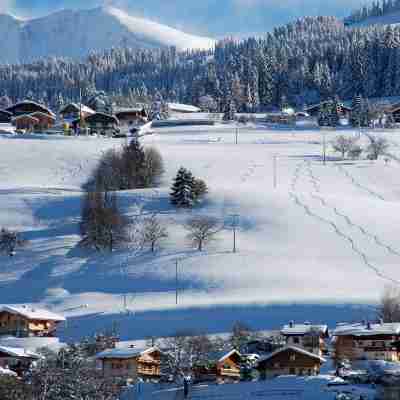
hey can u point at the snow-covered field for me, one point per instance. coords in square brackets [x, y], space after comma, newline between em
[282, 388]
[322, 242]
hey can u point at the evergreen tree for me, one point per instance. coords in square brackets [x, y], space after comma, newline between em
[182, 191]
[230, 111]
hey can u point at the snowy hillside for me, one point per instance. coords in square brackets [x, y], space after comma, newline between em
[76, 33]
[327, 235]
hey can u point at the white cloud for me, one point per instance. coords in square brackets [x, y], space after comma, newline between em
[7, 6]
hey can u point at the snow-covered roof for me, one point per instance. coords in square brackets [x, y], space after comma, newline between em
[32, 313]
[295, 349]
[6, 371]
[220, 356]
[303, 329]
[125, 353]
[18, 352]
[177, 107]
[77, 107]
[30, 103]
[39, 113]
[368, 329]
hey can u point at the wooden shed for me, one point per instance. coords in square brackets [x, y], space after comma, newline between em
[290, 360]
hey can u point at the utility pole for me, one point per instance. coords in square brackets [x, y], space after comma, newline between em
[235, 222]
[176, 281]
[236, 134]
[275, 170]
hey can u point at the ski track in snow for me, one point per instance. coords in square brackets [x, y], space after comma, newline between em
[332, 224]
[359, 185]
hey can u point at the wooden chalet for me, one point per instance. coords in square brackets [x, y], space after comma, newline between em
[367, 341]
[45, 121]
[25, 122]
[221, 366]
[131, 363]
[315, 109]
[132, 116]
[290, 360]
[27, 107]
[307, 336]
[102, 124]
[5, 117]
[25, 321]
[17, 360]
[72, 111]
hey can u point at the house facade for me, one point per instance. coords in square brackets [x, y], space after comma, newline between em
[307, 336]
[290, 360]
[367, 341]
[44, 121]
[25, 123]
[24, 321]
[131, 363]
[315, 109]
[102, 124]
[132, 116]
[221, 366]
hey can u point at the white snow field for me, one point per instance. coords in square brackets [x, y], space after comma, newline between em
[317, 246]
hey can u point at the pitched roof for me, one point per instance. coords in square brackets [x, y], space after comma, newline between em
[76, 107]
[32, 313]
[219, 356]
[102, 116]
[30, 103]
[125, 353]
[39, 113]
[362, 329]
[18, 352]
[303, 329]
[295, 349]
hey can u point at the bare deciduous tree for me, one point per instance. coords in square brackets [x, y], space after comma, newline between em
[154, 166]
[153, 232]
[343, 145]
[389, 307]
[377, 146]
[202, 230]
[10, 241]
[102, 225]
[184, 351]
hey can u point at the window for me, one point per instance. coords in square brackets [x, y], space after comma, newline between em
[277, 365]
[296, 340]
[293, 357]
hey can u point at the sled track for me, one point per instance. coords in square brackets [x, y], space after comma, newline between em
[358, 184]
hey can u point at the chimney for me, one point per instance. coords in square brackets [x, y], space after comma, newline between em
[291, 324]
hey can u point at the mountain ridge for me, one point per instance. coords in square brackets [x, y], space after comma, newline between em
[87, 30]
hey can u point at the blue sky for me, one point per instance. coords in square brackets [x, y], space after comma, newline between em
[213, 17]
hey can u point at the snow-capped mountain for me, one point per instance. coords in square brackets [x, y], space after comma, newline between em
[75, 33]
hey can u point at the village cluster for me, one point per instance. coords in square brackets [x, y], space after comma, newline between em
[296, 349]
